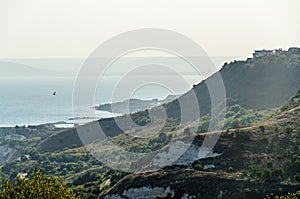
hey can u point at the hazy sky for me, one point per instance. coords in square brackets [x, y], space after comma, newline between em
[72, 29]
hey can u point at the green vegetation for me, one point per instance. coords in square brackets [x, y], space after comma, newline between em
[260, 144]
[134, 105]
[289, 196]
[239, 117]
[37, 186]
[79, 169]
[294, 102]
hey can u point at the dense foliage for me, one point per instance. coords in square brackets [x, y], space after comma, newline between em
[37, 186]
[292, 196]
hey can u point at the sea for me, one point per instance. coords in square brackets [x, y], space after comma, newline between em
[30, 100]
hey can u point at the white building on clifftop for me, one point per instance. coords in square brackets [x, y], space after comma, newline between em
[262, 53]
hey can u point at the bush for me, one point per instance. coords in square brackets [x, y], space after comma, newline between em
[277, 173]
[197, 166]
[23, 158]
[267, 175]
[288, 130]
[292, 196]
[34, 154]
[297, 177]
[264, 139]
[235, 124]
[245, 135]
[259, 174]
[269, 164]
[37, 186]
[262, 128]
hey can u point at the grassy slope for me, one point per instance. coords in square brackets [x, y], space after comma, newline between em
[247, 152]
[254, 163]
[249, 155]
[260, 83]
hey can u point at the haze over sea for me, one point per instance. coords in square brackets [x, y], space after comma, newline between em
[29, 100]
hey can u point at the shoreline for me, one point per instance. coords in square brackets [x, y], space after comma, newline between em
[68, 123]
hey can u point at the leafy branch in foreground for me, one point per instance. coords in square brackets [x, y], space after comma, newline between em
[292, 196]
[37, 186]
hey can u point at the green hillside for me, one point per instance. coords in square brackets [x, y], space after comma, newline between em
[258, 148]
[258, 83]
[255, 162]
[255, 84]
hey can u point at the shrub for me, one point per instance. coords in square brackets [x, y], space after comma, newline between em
[264, 139]
[269, 164]
[297, 177]
[277, 173]
[292, 196]
[243, 135]
[262, 129]
[288, 130]
[259, 174]
[267, 175]
[197, 166]
[37, 186]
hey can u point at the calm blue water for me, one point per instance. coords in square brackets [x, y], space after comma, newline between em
[25, 101]
[29, 101]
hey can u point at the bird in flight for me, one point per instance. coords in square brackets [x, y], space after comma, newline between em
[54, 93]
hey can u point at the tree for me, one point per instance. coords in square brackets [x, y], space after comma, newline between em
[34, 154]
[162, 138]
[267, 175]
[288, 130]
[262, 129]
[291, 196]
[23, 158]
[37, 186]
[235, 124]
[297, 177]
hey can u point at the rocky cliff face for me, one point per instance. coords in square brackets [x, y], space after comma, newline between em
[182, 154]
[187, 183]
[143, 192]
[6, 153]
